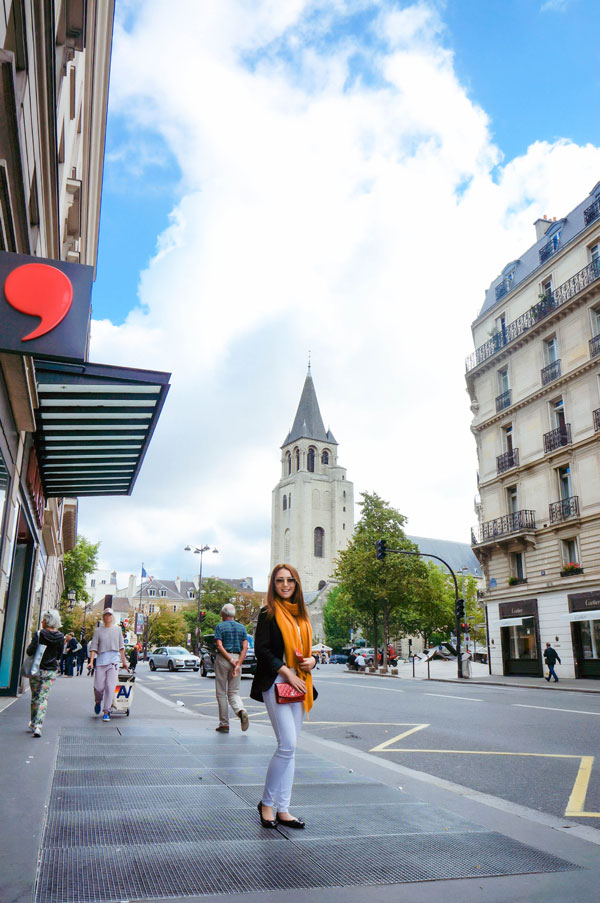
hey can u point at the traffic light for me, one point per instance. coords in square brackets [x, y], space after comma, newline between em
[460, 608]
[201, 616]
[465, 627]
[381, 549]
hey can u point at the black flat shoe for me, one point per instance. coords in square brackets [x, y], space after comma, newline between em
[291, 822]
[265, 822]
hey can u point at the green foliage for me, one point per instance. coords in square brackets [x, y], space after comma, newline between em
[215, 594]
[167, 628]
[338, 619]
[207, 626]
[390, 591]
[78, 563]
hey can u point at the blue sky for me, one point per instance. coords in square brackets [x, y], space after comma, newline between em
[344, 177]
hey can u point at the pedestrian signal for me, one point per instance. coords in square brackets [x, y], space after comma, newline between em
[201, 616]
[381, 549]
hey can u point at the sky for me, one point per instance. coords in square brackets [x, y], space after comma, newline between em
[336, 177]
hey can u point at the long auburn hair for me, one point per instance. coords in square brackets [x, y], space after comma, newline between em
[297, 598]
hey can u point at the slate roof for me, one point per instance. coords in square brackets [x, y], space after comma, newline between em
[457, 554]
[170, 586]
[569, 229]
[308, 423]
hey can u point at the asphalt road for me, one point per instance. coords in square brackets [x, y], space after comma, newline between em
[536, 749]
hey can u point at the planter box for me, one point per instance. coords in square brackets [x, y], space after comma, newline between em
[571, 572]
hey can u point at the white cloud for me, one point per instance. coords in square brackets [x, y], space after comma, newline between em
[361, 217]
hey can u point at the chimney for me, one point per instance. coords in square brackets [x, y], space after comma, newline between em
[541, 227]
[178, 584]
[131, 585]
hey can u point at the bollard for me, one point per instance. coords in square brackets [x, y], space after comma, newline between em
[428, 674]
[413, 661]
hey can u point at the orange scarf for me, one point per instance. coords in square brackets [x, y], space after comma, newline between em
[297, 634]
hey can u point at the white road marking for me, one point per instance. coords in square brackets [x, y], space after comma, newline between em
[548, 708]
[368, 686]
[447, 696]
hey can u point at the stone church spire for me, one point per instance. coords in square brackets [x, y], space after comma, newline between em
[313, 503]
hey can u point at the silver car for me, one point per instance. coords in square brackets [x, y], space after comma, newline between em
[175, 658]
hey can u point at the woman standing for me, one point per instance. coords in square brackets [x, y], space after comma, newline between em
[40, 683]
[107, 649]
[282, 647]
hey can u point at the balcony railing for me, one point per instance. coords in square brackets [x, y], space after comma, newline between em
[517, 522]
[592, 212]
[551, 372]
[503, 401]
[557, 438]
[595, 346]
[597, 420]
[549, 249]
[545, 306]
[507, 460]
[564, 509]
[503, 288]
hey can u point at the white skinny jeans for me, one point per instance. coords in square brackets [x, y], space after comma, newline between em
[287, 721]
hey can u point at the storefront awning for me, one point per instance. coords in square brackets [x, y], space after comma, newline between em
[93, 426]
[511, 622]
[582, 615]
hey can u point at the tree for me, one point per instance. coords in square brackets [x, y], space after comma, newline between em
[215, 594]
[247, 606]
[389, 591]
[339, 619]
[166, 628]
[77, 564]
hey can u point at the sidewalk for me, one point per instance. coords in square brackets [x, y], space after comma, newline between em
[447, 671]
[158, 807]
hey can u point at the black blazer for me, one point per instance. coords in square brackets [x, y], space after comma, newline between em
[269, 652]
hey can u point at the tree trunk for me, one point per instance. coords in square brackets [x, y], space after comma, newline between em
[386, 634]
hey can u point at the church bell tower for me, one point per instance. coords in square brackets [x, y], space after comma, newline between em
[313, 502]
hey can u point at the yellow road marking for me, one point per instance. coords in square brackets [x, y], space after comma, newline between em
[580, 787]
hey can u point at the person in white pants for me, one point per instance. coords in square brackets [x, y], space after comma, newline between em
[107, 649]
[282, 646]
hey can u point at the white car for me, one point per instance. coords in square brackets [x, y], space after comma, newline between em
[175, 658]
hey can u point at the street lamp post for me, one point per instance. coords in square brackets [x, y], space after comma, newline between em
[71, 596]
[198, 550]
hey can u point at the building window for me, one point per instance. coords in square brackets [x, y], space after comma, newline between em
[310, 461]
[325, 457]
[570, 551]
[93, 581]
[152, 592]
[595, 254]
[551, 350]
[191, 594]
[565, 486]
[319, 539]
[518, 565]
[503, 381]
[285, 503]
[546, 288]
[163, 594]
[151, 609]
[344, 493]
[343, 526]
[297, 458]
[289, 463]
[174, 608]
[512, 499]
[507, 438]
[286, 545]
[103, 581]
[595, 321]
[557, 413]
[290, 500]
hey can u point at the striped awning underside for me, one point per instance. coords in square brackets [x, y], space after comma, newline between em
[94, 425]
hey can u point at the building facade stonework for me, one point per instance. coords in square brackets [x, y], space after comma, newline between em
[313, 502]
[534, 385]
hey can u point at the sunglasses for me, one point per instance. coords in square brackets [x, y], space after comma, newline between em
[291, 580]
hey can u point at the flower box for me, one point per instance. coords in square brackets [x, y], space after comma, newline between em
[571, 568]
[516, 581]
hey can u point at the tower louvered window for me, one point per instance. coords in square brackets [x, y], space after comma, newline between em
[319, 539]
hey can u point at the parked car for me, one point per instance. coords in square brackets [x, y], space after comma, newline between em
[175, 658]
[208, 653]
[338, 659]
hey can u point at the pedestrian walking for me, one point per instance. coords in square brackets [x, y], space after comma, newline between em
[551, 656]
[70, 649]
[133, 658]
[107, 650]
[231, 640]
[81, 656]
[282, 646]
[51, 637]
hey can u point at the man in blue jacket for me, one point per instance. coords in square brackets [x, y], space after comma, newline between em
[551, 656]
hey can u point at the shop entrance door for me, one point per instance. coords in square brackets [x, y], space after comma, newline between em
[586, 646]
[521, 648]
[16, 606]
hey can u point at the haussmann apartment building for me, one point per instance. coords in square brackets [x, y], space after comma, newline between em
[534, 386]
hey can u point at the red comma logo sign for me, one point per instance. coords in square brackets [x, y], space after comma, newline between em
[42, 291]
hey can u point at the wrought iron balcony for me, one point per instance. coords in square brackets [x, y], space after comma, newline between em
[557, 438]
[564, 509]
[597, 420]
[503, 401]
[507, 460]
[595, 346]
[551, 372]
[503, 288]
[592, 212]
[545, 306]
[517, 522]
[549, 249]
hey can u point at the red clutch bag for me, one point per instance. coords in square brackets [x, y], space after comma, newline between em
[287, 693]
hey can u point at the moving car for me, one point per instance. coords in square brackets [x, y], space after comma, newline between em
[175, 658]
[338, 659]
[209, 651]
